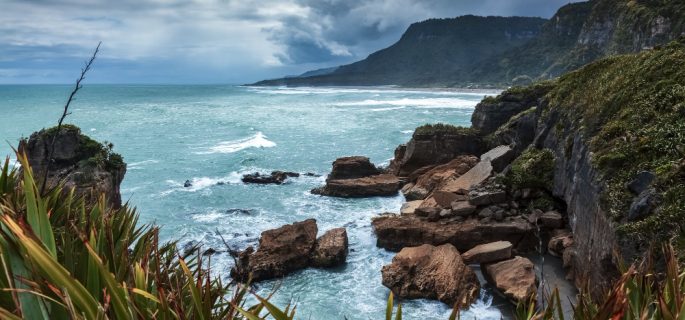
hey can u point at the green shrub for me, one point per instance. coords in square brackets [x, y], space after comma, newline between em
[534, 168]
[441, 128]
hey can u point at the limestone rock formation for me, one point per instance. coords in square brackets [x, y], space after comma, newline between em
[488, 253]
[82, 164]
[290, 248]
[514, 278]
[432, 272]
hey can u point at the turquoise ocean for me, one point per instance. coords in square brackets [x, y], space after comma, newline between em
[212, 135]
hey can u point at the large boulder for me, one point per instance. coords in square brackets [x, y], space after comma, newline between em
[427, 181]
[330, 249]
[462, 184]
[434, 145]
[514, 278]
[352, 167]
[488, 253]
[88, 167]
[290, 248]
[379, 185]
[500, 157]
[433, 273]
[281, 251]
[396, 232]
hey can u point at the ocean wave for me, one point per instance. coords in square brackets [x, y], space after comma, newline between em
[455, 103]
[140, 164]
[259, 140]
[375, 90]
[407, 131]
[201, 183]
[388, 109]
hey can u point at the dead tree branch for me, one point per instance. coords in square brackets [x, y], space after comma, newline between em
[66, 112]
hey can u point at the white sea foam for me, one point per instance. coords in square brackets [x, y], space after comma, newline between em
[416, 102]
[259, 140]
[372, 90]
[140, 164]
[387, 109]
[201, 183]
[407, 131]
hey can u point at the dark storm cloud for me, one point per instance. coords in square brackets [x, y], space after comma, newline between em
[213, 40]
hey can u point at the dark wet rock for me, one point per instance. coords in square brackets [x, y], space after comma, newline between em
[487, 197]
[641, 182]
[485, 213]
[276, 177]
[330, 249]
[643, 205]
[352, 168]
[432, 272]
[514, 278]
[209, 252]
[379, 185]
[88, 167]
[241, 211]
[187, 184]
[396, 232]
[463, 208]
[488, 253]
[311, 174]
[552, 219]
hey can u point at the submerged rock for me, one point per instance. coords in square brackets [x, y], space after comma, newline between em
[276, 177]
[433, 273]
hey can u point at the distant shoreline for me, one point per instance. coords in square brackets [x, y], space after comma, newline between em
[433, 89]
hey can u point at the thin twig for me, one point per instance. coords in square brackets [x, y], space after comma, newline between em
[65, 113]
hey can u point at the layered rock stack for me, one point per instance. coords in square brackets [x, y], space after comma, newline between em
[356, 177]
[88, 167]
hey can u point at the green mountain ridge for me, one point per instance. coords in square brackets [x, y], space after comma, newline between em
[472, 51]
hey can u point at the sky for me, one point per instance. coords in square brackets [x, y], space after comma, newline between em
[212, 41]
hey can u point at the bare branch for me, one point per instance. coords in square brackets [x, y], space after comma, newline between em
[65, 113]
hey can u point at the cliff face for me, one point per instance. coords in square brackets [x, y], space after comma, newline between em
[498, 52]
[609, 125]
[432, 52]
[82, 164]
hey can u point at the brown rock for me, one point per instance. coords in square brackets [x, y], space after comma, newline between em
[396, 232]
[473, 177]
[410, 207]
[378, 185]
[552, 219]
[433, 273]
[557, 244]
[488, 253]
[427, 182]
[330, 249]
[514, 278]
[281, 251]
[463, 208]
[352, 168]
[444, 199]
